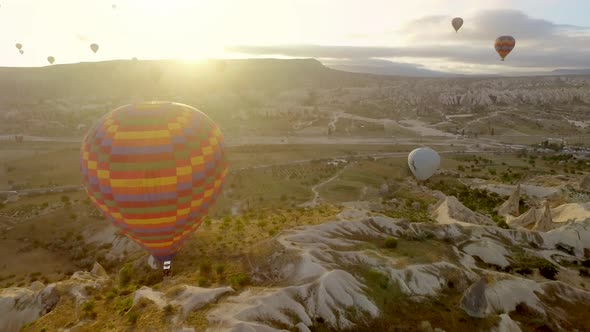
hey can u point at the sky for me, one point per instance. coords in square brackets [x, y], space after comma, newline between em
[550, 34]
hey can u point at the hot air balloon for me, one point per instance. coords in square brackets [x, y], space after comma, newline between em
[154, 169]
[94, 47]
[504, 45]
[18, 46]
[21, 51]
[50, 59]
[423, 162]
[457, 23]
[114, 6]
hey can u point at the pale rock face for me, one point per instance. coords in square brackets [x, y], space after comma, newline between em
[189, 298]
[511, 206]
[576, 235]
[99, 271]
[79, 284]
[450, 211]
[147, 293]
[505, 295]
[488, 251]
[571, 212]
[507, 324]
[329, 298]
[545, 222]
[20, 306]
[474, 301]
[36, 286]
[121, 245]
[152, 263]
[193, 298]
[526, 219]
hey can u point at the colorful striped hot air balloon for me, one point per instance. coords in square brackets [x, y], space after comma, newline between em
[154, 170]
[504, 45]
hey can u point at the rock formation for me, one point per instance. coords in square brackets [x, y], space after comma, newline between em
[544, 223]
[525, 220]
[449, 210]
[474, 301]
[511, 206]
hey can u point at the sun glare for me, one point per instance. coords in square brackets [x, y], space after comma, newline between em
[185, 29]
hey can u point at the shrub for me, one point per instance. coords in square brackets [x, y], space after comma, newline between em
[88, 309]
[88, 306]
[111, 295]
[125, 274]
[205, 268]
[586, 263]
[584, 273]
[390, 243]
[169, 309]
[239, 280]
[524, 271]
[123, 305]
[133, 317]
[220, 269]
[549, 271]
[203, 282]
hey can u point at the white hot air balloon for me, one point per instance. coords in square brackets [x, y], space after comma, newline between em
[423, 162]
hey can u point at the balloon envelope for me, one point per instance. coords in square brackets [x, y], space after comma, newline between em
[423, 162]
[19, 45]
[457, 23]
[21, 51]
[94, 48]
[154, 170]
[504, 45]
[50, 59]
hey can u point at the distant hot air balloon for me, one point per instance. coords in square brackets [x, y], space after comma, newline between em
[21, 51]
[94, 47]
[114, 6]
[423, 162]
[154, 169]
[18, 46]
[50, 59]
[504, 45]
[457, 23]
[134, 59]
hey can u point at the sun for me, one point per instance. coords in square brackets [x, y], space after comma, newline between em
[188, 29]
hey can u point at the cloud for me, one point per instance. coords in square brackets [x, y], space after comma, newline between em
[487, 25]
[527, 57]
[383, 67]
[539, 43]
